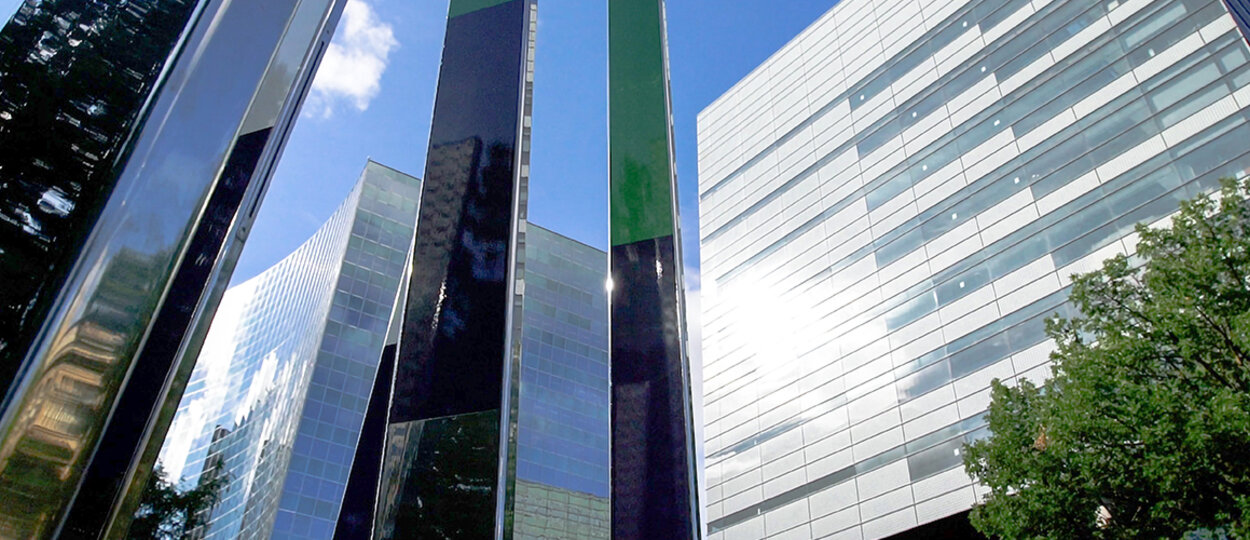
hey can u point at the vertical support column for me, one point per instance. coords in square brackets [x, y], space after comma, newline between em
[449, 428]
[653, 467]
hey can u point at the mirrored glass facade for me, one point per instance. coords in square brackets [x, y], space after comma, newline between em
[121, 194]
[562, 449]
[895, 201]
[276, 400]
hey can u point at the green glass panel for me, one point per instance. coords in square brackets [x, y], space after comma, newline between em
[460, 7]
[640, 165]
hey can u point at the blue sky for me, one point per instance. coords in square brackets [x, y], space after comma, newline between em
[712, 44]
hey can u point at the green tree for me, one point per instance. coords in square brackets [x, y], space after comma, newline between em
[1144, 430]
[167, 513]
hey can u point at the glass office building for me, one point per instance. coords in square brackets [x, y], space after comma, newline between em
[276, 401]
[892, 205]
[136, 139]
[562, 448]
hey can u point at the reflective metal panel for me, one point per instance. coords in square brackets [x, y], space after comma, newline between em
[65, 118]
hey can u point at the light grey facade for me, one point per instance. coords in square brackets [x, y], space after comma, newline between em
[277, 397]
[893, 203]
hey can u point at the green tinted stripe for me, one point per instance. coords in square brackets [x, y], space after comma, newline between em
[640, 165]
[460, 7]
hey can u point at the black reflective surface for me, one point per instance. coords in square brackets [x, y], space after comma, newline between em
[651, 483]
[74, 77]
[451, 350]
[440, 478]
[441, 468]
[360, 496]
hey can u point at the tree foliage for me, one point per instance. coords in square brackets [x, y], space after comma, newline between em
[167, 513]
[1144, 429]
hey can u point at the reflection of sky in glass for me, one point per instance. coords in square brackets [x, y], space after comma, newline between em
[564, 374]
[285, 372]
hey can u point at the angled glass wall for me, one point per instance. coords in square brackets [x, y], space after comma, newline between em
[893, 204]
[276, 400]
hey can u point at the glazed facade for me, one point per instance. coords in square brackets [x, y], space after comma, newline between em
[562, 410]
[891, 206]
[276, 401]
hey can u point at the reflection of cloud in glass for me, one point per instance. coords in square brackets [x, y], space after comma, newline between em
[351, 70]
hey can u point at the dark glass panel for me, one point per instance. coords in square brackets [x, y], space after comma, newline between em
[439, 478]
[441, 469]
[451, 351]
[651, 474]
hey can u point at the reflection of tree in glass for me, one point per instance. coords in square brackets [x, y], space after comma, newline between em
[167, 513]
[74, 75]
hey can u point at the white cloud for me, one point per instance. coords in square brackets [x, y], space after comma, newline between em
[351, 70]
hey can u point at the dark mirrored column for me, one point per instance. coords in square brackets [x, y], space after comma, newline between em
[130, 168]
[442, 469]
[653, 474]
[1240, 10]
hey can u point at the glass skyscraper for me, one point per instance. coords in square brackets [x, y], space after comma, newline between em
[275, 403]
[136, 139]
[891, 206]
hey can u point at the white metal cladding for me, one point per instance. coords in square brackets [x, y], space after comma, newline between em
[892, 204]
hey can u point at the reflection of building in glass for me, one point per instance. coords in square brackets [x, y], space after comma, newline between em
[120, 157]
[562, 449]
[893, 204]
[277, 398]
